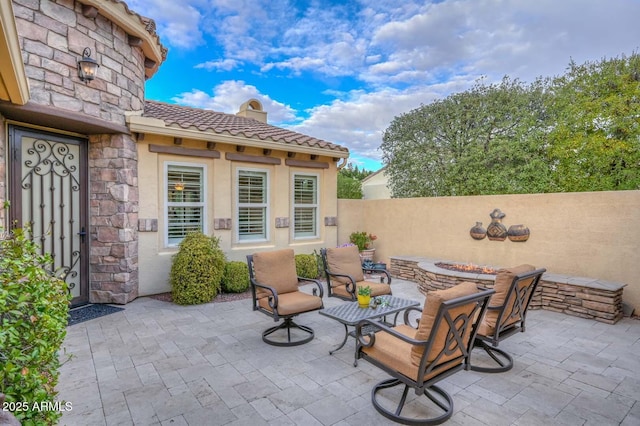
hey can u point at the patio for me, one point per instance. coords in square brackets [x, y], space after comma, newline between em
[159, 363]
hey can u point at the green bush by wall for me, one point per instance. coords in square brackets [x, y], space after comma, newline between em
[236, 277]
[306, 266]
[34, 306]
[197, 269]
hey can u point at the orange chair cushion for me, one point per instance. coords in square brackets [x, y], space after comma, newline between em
[293, 303]
[396, 354]
[276, 269]
[504, 278]
[344, 260]
[429, 312]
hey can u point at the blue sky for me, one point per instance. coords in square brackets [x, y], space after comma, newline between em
[342, 70]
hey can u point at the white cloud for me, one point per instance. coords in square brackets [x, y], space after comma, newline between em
[224, 65]
[229, 95]
[395, 55]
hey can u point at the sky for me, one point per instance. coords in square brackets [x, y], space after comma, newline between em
[342, 70]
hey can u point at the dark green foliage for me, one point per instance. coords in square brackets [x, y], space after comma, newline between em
[306, 266]
[197, 270]
[236, 277]
[350, 182]
[34, 307]
[577, 132]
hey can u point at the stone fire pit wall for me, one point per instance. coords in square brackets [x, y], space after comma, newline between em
[577, 296]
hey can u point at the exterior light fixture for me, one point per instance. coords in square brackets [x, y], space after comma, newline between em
[87, 66]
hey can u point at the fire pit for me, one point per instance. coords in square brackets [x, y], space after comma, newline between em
[469, 267]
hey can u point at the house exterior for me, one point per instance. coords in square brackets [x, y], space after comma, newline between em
[110, 182]
[376, 186]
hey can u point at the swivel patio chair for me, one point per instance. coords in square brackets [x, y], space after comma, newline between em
[506, 314]
[275, 292]
[419, 357]
[345, 274]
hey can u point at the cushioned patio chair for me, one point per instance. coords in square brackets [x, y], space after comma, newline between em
[506, 314]
[344, 272]
[419, 357]
[274, 287]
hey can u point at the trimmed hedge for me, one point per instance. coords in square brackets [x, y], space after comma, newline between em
[306, 266]
[197, 269]
[236, 277]
[34, 309]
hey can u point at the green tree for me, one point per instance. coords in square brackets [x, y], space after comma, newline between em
[486, 140]
[595, 139]
[350, 181]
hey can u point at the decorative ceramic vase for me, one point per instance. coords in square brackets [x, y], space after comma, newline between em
[364, 300]
[496, 231]
[518, 233]
[478, 232]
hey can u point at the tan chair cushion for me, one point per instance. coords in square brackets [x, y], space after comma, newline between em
[429, 312]
[396, 354]
[344, 260]
[504, 278]
[293, 303]
[276, 269]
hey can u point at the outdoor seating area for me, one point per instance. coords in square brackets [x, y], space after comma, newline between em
[159, 363]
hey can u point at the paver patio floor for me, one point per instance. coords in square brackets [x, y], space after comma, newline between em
[156, 363]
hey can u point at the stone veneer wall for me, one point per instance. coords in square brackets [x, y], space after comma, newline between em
[113, 162]
[577, 296]
[52, 37]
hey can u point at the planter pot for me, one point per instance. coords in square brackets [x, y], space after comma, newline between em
[367, 254]
[363, 301]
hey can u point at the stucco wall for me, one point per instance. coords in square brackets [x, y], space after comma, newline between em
[594, 234]
[155, 256]
[375, 187]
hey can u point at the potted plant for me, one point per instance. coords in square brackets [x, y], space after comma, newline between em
[364, 241]
[364, 296]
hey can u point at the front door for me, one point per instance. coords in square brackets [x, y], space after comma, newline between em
[48, 193]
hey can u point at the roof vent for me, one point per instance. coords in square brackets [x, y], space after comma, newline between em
[252, 109]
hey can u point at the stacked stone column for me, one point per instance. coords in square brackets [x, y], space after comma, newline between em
[113, 163]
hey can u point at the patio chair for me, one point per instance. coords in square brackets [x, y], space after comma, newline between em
[506, 314]
[419, 357]
[275, 292]
[345, 274]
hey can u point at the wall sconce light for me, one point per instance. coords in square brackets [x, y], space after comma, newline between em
[178, 186]
[87, 66]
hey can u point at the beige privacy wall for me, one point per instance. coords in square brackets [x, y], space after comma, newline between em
[592, 234]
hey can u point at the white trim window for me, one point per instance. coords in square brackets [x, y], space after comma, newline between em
[185, 200]
[305, 206]
[252, 205]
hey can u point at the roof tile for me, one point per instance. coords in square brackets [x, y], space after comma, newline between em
[222, 123]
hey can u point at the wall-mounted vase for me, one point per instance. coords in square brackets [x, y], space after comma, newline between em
[478, 232]
[518, 233]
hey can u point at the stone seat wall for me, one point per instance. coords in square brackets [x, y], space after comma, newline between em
[578, 296]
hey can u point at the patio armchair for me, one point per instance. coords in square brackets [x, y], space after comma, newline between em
[275, 292]
[506, 314]
[345, 274]
[420, 356]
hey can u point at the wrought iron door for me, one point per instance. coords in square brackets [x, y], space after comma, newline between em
[48, 193]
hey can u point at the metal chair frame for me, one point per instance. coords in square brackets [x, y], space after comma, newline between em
[287, 320]
[351, 285]
[457, 326]
[508, 324]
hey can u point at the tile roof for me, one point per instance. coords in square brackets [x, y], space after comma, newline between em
[222, 123]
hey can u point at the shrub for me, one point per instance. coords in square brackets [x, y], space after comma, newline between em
[34, 309]
[236, 277]
[197, 269]
[306, 266]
